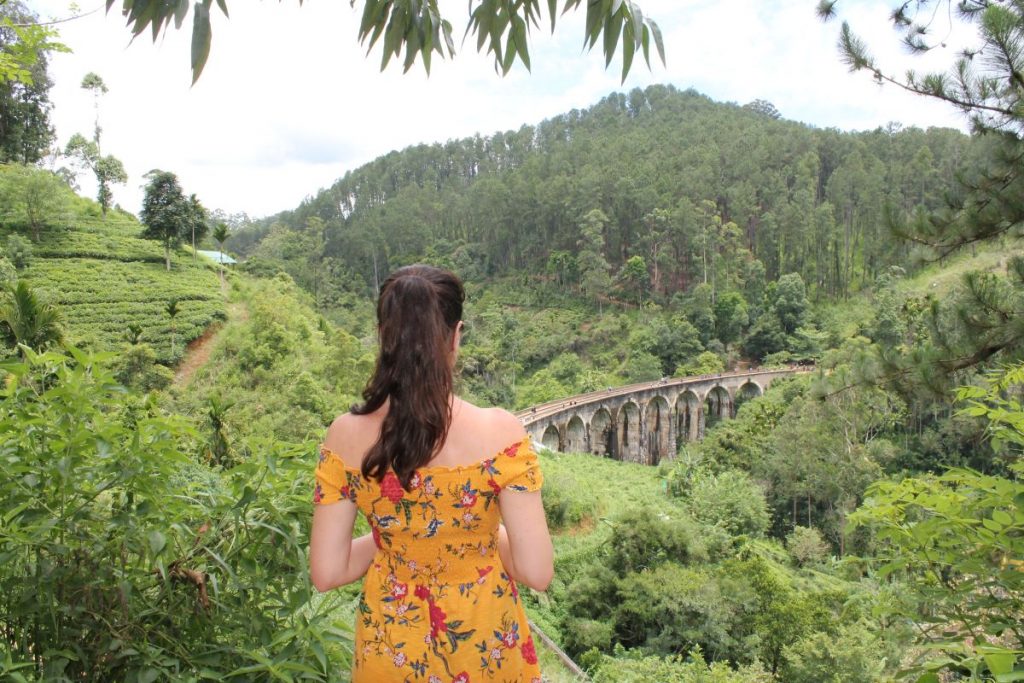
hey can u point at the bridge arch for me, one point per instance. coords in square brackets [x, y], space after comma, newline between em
[659, 430]
[627, 426]
[688, 416]
[551, 438]
[576, 435]
[750, 389]
[717, 405]
[602, 433]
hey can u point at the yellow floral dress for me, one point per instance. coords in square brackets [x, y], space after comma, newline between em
[437, 605]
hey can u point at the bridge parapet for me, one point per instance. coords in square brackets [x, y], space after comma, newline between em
[645, 422]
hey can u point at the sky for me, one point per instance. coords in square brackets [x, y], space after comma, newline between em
[289, 101]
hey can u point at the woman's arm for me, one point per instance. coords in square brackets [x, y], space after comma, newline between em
[529, 552]
[335, 558]
[505, 551]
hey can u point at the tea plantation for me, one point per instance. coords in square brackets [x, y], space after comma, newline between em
[105, 278]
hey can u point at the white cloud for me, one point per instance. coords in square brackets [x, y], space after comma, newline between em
[288, 102]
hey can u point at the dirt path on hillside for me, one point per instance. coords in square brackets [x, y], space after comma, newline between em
[198, 351]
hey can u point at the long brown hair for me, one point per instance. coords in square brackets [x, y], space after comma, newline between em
[418, 312]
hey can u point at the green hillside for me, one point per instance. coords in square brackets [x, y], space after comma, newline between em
[104, 277]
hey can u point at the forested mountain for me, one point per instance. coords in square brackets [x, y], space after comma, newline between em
[681, 181]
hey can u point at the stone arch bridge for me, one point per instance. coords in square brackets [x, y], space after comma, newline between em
[646, 422]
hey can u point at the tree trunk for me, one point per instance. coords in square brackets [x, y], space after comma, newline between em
[167, 254]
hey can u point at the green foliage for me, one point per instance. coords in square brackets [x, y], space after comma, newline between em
[19, 251]
[635, 667]
[955, 541]
[807, 546]
[421, 30]
[99, 298]
[565, 503]
[136, 367]
[728, 500]
[124, 559]
[28, 321]
[790, 303]
[107, 169]
[643, 539]
[168, 215]
[32, 198]
[25, 44]
[707, 363]
[850, 656]
[8, 273]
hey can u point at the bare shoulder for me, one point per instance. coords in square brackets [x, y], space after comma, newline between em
[349, 436]
[506, 427]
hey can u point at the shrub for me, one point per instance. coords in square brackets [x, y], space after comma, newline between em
[729, 500]
[19, 251]
[807, 546]
[851, 656]
[123, 559]
[644, 538]
[636, 667]
[566, 503]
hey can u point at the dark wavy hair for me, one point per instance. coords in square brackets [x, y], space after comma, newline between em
[418, 312]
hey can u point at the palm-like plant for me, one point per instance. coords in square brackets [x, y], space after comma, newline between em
[172, 312]
[133, 333]
[220, 235]
[29, 321]
[219, 446]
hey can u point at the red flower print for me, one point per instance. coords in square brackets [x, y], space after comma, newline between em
[346, 492]
[494, 485]
[529, 654]
[483, 572]
[461, 678]
[486, 464]
[512, 450]
[437, 617]
[318, 494]
[422, 592]
[391, 488]
[514, 588]
[376, 535]
[509, 638]
[468, 499]
[399, 590]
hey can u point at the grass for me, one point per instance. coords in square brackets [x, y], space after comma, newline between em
[940, 278]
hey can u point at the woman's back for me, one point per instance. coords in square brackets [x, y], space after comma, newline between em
[438, 600]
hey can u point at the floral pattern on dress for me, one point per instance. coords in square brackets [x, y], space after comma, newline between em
[437, 605]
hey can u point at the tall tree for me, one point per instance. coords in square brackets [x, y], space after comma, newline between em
[25, 130]
[220, 236]
[593, 265]
[198, 222]
[982, 321]
[166, 212]
[88, 154]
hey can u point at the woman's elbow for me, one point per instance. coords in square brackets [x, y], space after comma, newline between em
[537, 578]
[324, 579]
[321, 581]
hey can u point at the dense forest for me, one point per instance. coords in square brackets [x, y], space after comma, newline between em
[681, 182]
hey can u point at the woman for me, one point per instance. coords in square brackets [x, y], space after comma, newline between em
[434, 476]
